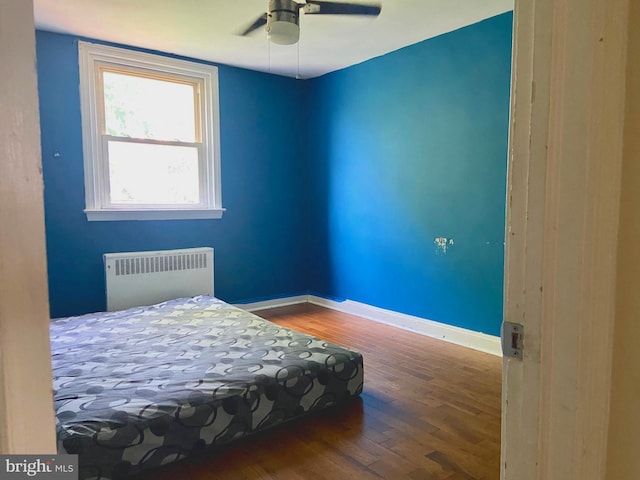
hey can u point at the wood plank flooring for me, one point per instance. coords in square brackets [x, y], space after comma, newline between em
[430, 410]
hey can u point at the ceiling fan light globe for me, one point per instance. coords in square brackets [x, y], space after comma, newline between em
[283, 32]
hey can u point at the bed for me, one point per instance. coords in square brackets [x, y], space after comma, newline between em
[142, 387]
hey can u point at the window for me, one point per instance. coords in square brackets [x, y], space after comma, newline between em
[150, 129]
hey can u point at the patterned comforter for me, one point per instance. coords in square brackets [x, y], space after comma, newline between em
[147, 386]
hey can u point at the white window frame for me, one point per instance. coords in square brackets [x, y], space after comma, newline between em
[93, 57]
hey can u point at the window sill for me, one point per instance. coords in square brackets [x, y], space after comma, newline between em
[110, 215]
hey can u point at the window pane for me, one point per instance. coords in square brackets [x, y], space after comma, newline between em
[153, 174]
[141, 107]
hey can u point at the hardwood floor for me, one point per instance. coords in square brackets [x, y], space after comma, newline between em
[429, 410]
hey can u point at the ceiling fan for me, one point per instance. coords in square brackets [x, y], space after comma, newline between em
[282, 19]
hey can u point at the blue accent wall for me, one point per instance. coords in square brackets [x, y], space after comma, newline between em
[404, 149]
[257, 247]
[336, 186]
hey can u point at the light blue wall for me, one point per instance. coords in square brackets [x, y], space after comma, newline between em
[406, 148]
[335, 186]
[257, 247]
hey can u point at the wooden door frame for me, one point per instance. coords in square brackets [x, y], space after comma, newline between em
[27, 423]
[563, 200]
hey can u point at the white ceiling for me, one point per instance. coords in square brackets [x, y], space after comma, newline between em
[207, 29]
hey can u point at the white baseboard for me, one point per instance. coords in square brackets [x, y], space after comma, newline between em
[275, 303]
[459, 336]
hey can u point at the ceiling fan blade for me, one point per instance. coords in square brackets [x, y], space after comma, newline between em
[340, 8]
[260, 22]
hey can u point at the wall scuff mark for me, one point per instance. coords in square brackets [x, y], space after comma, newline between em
[442, 244]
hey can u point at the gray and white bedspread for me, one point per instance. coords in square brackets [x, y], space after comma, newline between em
[148, 386]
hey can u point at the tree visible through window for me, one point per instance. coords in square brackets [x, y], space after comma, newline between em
[137, 107]
[153, 136]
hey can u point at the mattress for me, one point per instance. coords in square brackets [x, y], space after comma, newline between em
[143, 387]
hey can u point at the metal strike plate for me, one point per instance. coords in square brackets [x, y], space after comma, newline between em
[512, 339]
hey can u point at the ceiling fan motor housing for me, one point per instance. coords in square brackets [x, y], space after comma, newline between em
[283, 22]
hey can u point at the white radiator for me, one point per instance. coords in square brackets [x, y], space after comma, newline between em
[144, 278]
